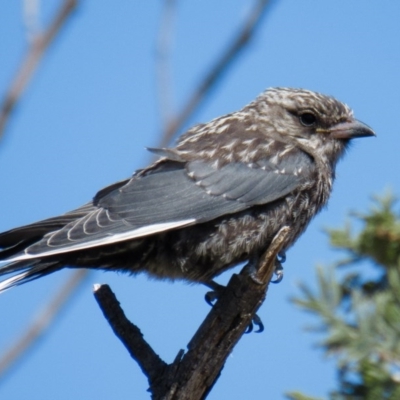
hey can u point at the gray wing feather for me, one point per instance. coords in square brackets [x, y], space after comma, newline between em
[195, 192]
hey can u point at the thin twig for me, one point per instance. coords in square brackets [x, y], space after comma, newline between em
[163, 59]
[240, 41]
[31, 18]
[42, 322]
[36, 329]
[35, 53]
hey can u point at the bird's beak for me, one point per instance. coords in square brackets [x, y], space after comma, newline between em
[351, 130]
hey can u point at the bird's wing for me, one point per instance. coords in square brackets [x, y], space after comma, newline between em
[173, 195]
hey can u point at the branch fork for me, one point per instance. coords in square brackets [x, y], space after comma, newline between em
[193, 373]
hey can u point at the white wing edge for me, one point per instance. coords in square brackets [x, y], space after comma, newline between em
[137, 233]
[10, 282]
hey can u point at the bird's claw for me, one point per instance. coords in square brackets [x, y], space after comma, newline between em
[278, 272]
[213, 295]
[255, 321]
[251, 269]
[281, 257]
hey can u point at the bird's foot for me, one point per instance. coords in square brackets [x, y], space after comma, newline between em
[257, 322]
[278, 272]
[216, 291]
[251, 268]
[281, 257]
[212, 296]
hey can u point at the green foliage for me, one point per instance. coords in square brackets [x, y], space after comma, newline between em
[359, 316]
[299, 396]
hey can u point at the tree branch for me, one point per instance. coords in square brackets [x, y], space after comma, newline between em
[193, 374]
[163, 60]
[240, 41]
[36, 329]
[129, 334]
[38, 47]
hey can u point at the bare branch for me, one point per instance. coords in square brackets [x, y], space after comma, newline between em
[31, 18]
[129, 334]
[42, 322]
[193, 374]
[39, 45]
[163, 67]
[240, 41]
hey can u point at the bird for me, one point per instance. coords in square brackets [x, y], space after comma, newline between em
[215, 200]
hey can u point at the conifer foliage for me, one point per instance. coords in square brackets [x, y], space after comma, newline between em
[359, 312]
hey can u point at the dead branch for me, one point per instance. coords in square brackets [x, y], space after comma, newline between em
[39, 45]
[163, 60]
[193, 374]
[241, 39]
[28, 66]
[129, 334]
[37, 327]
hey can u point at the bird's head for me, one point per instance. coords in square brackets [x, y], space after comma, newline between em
[313, 121]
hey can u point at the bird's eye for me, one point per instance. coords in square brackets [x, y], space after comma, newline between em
[308, 119]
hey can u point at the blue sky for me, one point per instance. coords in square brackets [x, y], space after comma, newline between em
[83, 123]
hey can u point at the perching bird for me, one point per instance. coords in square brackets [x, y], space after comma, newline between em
[215, 200]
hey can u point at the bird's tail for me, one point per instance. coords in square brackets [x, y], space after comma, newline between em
[25, 271]
[15, 241]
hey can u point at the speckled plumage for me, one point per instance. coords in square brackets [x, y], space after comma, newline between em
[215, 200]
